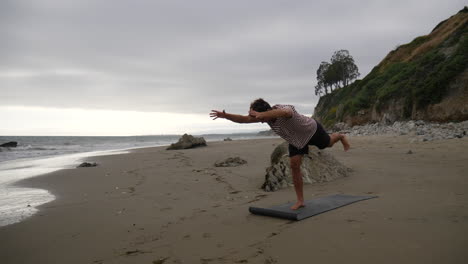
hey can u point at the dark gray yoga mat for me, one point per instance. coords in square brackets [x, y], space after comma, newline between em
[312, 207]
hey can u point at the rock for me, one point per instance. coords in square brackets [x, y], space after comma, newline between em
[278, 153]
[228, 139]
[188, 141]
[230, 162]
[419, 123]
[410, 125]
[340, 126]
[87, 164]
[318, 166]
[11, 144]
[409, 152]
[420, 132]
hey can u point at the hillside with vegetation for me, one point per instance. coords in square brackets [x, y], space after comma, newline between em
[425, 79]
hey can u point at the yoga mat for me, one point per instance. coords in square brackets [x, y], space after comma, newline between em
[312, 207]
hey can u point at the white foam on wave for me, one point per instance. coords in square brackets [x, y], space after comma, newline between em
[18, 203]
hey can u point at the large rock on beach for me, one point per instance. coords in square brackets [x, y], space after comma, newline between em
[188, 141]
[11, 144]
[87, 164]
[317, 167]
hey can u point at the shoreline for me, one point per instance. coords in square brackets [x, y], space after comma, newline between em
[19, 202]
[37, 147]
[152, 204]
[13, 210]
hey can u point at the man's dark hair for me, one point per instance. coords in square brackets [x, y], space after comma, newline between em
[260, 105]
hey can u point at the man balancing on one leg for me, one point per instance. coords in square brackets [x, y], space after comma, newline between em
[298, 130]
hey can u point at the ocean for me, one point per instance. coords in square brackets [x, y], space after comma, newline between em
[38, 155]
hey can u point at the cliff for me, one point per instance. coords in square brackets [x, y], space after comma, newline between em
[425, 79]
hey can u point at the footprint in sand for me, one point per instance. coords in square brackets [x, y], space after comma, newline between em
[258, 198]
[270, 260]
[272, 234]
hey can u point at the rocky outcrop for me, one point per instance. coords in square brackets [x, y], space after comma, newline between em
[230, 162]
[11, 144]
[454, 106]
[318, 166]
[188, 141]
[419, 130]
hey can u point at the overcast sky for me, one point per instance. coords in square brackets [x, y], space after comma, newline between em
[79, 67]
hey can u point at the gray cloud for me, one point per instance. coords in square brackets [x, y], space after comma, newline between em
[181, 56]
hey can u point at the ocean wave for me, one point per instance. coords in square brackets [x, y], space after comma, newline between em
[39, 148]
[29, 147]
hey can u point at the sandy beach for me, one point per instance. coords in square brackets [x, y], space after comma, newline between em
[158, 206]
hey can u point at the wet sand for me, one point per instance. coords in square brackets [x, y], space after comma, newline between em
[159, 206]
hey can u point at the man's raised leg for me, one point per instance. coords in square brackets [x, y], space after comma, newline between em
[335, 137]
[297, 180]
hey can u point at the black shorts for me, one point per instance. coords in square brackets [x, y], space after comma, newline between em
[320, 139]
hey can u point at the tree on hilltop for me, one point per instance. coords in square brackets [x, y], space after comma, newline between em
[337, 74]
[322, 86]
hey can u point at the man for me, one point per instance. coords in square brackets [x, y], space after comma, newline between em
[298, 130]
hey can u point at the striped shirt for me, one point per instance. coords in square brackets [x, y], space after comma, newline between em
[296, 130]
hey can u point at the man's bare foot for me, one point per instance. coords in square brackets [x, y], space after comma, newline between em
[298, 205]
[345, 143]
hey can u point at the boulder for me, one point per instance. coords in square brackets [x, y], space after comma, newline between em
[317, 167]
[87, 164]
[419, 122]
[230, 162]
[188, 141]
[228, 139]
[11, 144]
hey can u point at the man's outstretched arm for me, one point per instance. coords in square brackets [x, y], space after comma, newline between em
[274, 113]
[233, 117]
